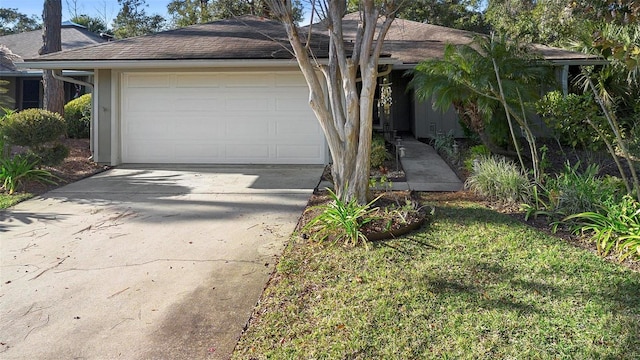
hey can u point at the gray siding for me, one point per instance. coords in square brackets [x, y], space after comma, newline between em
[429, 122]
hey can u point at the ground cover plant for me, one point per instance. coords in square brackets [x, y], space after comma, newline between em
[472, 284]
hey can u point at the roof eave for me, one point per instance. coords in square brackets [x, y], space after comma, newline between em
[554, 62]
[582, 62]
[167, 64]
[155, 64]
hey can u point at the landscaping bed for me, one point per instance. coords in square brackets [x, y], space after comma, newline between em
[76, 166]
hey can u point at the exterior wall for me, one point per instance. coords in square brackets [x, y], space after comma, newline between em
[429, 122]
[102, 117]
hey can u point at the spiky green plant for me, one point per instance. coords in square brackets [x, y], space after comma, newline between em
[341, 221]
[616, 227]
[18, 169]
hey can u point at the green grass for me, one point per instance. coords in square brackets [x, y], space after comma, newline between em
[474, 284]
[7, 200]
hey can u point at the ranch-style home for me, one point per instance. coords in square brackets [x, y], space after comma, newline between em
[230, 92]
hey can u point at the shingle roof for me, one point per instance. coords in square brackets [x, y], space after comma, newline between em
[412, 42]
[246, 37]
[27, 44]
[254, 38]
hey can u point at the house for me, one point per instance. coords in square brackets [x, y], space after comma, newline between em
[25, 85]
[231, 92]
[412, 42]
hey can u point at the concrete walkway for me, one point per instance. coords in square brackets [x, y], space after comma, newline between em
[425, 170]
[144, 263]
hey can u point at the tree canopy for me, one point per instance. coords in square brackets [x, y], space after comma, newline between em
[457, 14]
[12, 22]
[132, 20]
[189, 12]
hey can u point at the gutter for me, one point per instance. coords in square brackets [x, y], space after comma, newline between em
[167, 64]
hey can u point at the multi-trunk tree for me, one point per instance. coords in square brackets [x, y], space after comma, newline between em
[341, 90]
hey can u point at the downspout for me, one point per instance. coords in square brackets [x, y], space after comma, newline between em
[87, 85]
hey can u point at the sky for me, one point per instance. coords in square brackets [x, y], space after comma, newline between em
[89, 7]
[94, 8]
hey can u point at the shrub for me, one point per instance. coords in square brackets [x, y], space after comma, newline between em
[39, 130]
[498, 179]
[567, 116]
[15, 171]
[476, 153]
[572, 192]
[33, 127]
[51, 156]
[379, 151]
[77, 114]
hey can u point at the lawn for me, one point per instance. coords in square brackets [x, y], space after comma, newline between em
[7, 200]
[473, 284]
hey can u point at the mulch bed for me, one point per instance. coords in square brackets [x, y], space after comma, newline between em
[388, 223]
[76, 166]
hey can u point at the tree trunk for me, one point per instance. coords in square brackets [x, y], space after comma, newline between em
[51, 42]
[344, 113]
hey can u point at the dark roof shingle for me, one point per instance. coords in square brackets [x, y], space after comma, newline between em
[246, 37]
[27, 44]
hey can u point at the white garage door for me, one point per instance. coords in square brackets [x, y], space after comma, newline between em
[219, 118]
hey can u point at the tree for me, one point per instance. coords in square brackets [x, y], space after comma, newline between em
[189, 12]
[341, 92]
[132, 20]
[480, 80]
[93, 24]
[457, 14]
[551, 22]
[12, 22]
[53, 99]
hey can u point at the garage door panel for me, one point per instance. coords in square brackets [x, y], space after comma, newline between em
[286, 128]
[145, 81]
[247, 152]
[219, 118]
[198, 81]
[206, 151]
[250, 105]
[196, 105]
[249, 80]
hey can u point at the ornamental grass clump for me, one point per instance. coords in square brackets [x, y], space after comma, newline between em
[496, 178]
[614, 228]
[15, 171]
[341, 221]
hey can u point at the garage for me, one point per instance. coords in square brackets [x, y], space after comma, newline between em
[218, 118]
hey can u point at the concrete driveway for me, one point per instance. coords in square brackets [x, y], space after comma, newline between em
[144, 263]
